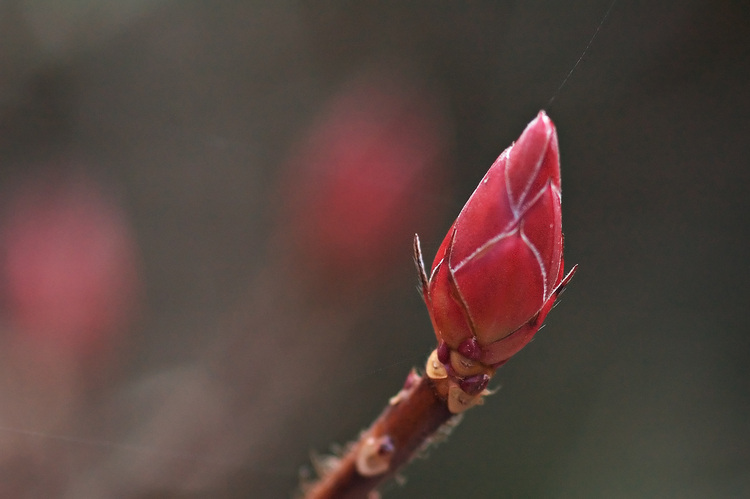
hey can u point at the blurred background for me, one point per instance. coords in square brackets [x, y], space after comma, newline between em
[206, 211]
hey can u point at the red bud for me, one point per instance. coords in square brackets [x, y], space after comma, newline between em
[499, 269]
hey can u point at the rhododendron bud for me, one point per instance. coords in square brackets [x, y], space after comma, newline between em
[500, 267]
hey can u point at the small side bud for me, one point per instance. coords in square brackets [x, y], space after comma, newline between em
[469, 348]
[374, 457]
[459, 400]
[443, 352]
[474, 385]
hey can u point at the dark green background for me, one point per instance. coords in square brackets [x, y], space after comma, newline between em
[637, 387]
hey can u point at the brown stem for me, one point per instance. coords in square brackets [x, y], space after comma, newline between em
[408, 422]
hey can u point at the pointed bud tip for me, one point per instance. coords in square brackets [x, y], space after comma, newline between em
[543, 120]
